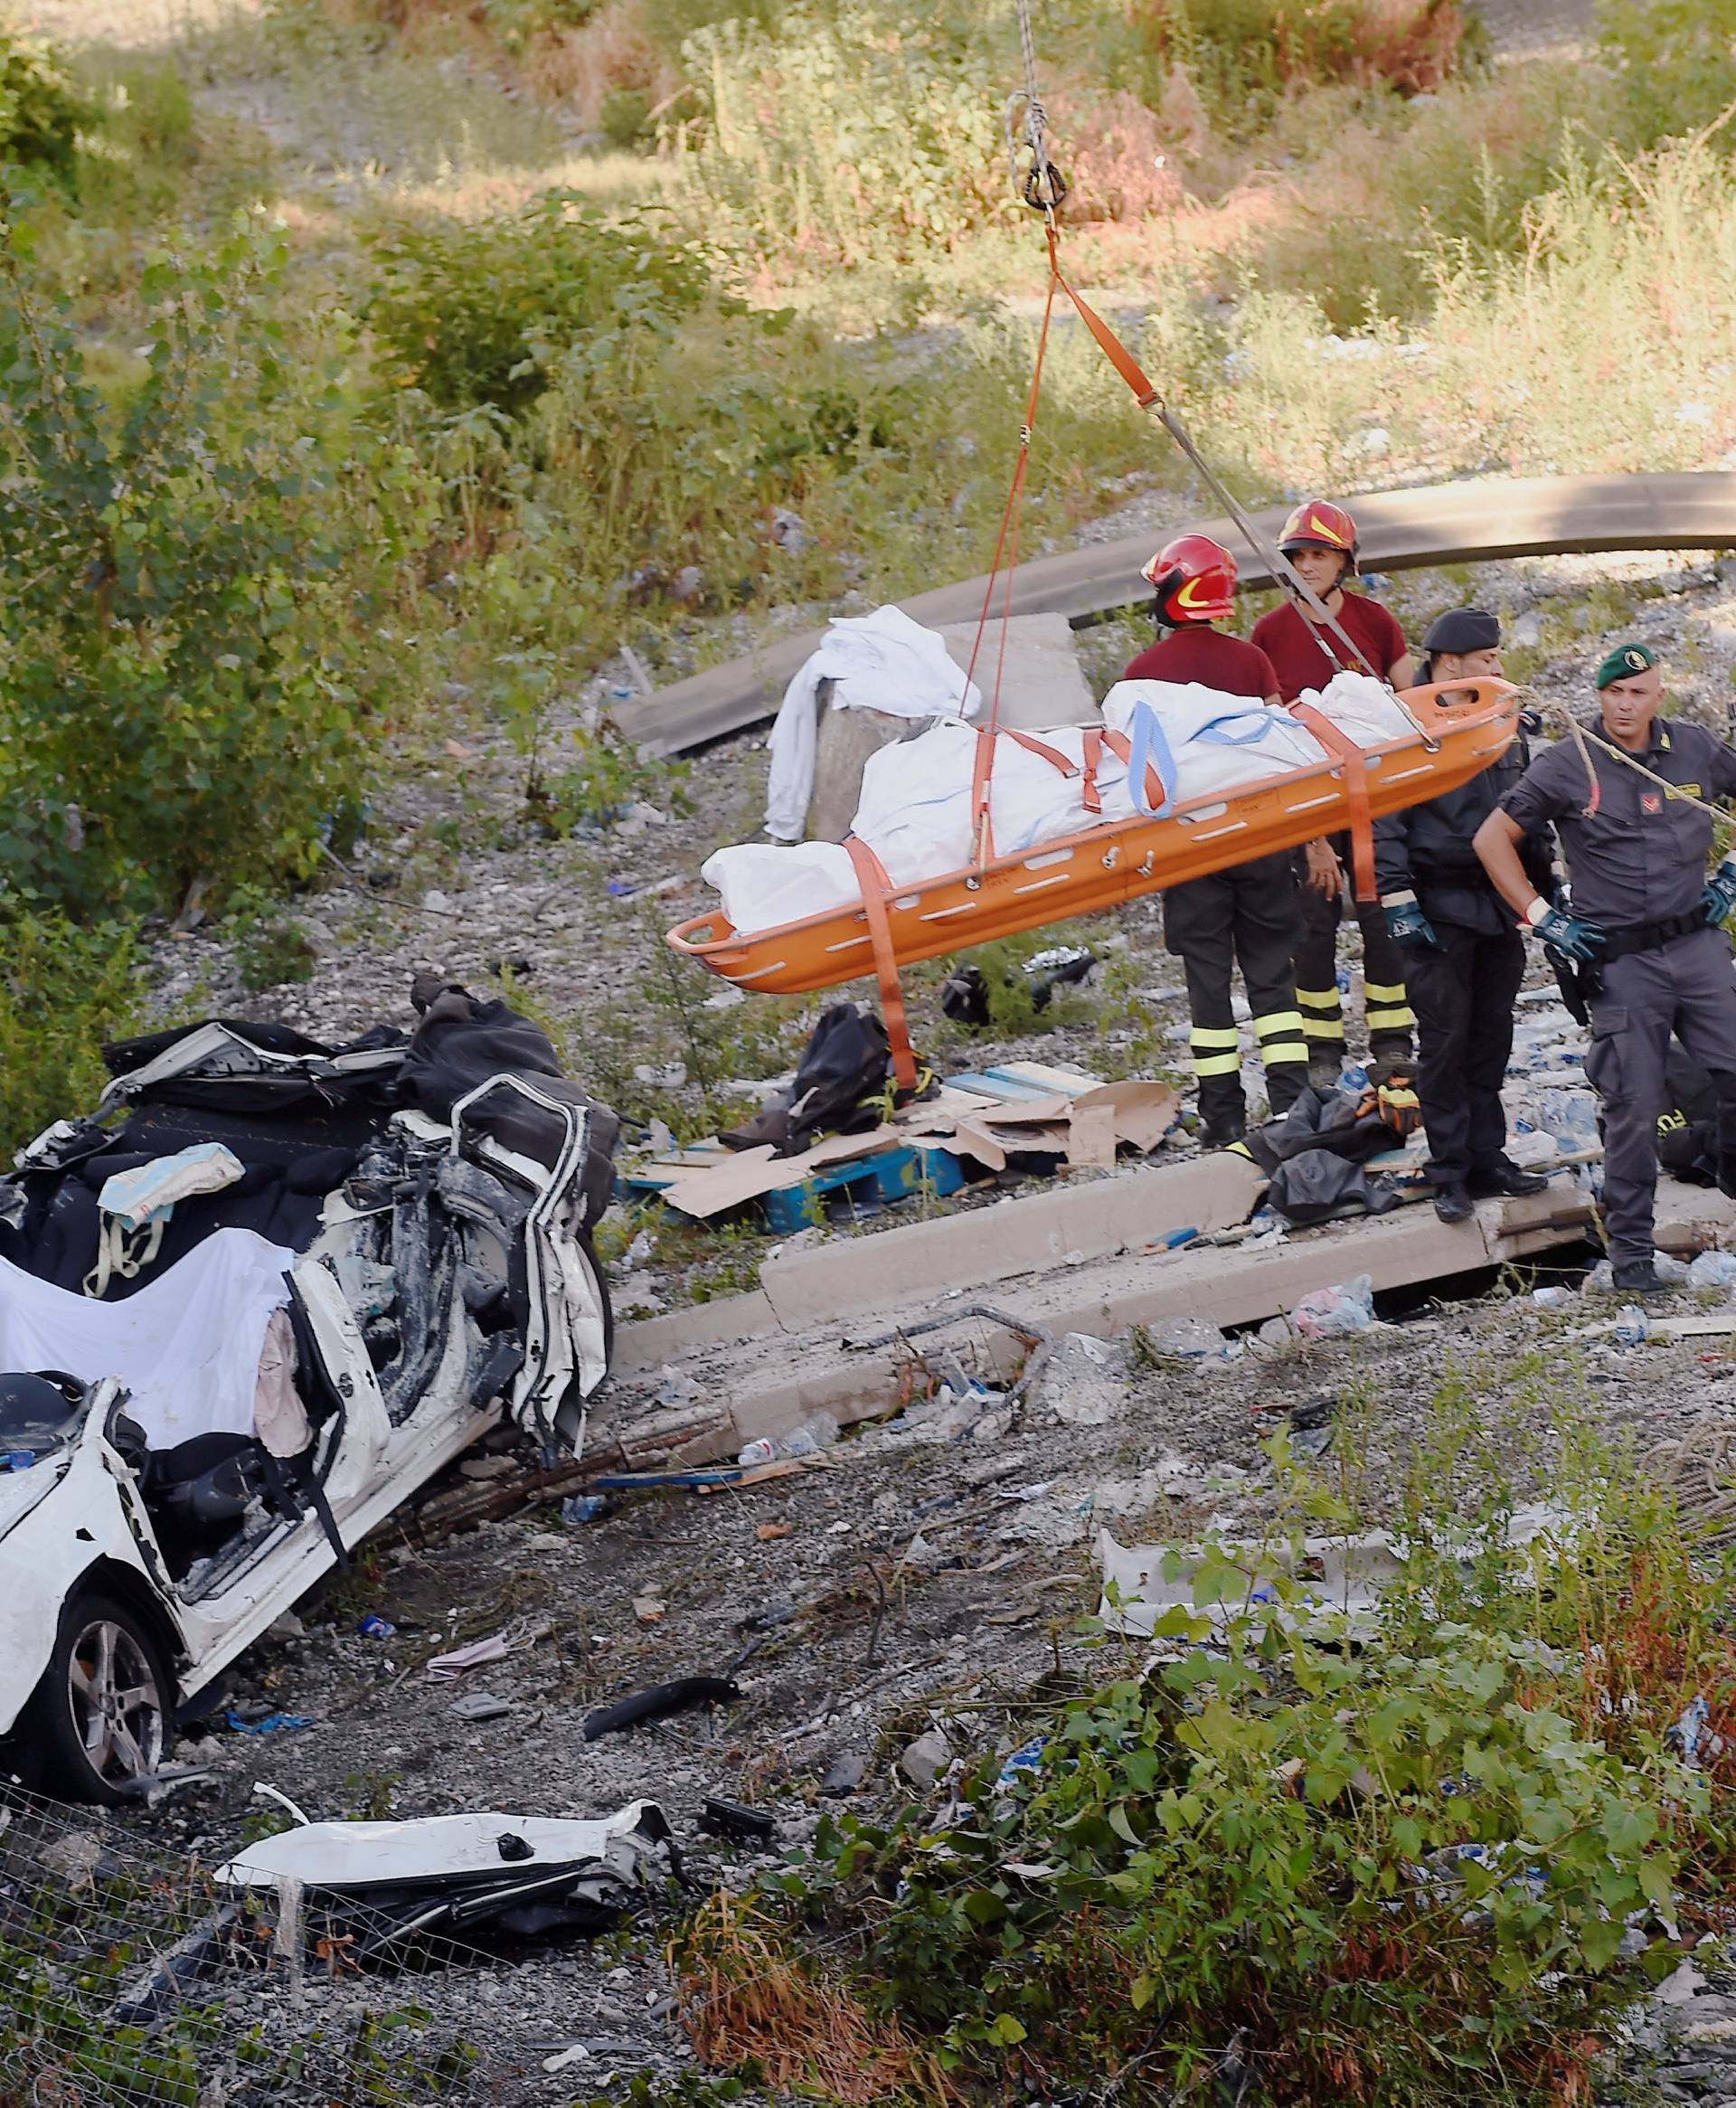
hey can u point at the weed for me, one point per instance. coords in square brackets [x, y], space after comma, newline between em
[64, 990]
[479, 314]
[274, 952]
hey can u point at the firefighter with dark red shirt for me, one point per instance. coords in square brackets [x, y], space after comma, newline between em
[1246, 916]
[1320, 541]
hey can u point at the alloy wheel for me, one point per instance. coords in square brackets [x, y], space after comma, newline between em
[118, 1707]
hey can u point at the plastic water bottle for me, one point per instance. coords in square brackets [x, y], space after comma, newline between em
[755, 1453]
[818, 1431]
[1631, 1327]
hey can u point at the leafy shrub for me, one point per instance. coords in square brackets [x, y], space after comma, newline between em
[1405, 186]
[1241, 57]
[1430, 1866]
[63, 991]
[856, 135]
[1677, 60]
[478, 313]
[40, 112]
[192, 586]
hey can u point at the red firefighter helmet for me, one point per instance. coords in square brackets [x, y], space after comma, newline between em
[1317, 523]
[1195, 579]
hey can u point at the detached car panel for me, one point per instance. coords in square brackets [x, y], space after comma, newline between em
[278, 1288]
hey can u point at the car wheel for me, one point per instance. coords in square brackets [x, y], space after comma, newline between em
[101, 1720]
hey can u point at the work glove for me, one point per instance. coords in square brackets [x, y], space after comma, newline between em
[1720, 896]
[1406, 923]
[1571, 935]
[1392, 1097]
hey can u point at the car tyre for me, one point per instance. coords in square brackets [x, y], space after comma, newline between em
[102, 1718]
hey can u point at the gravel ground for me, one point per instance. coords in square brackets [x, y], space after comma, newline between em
[909, 1585]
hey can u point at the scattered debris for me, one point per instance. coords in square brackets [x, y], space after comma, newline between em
[1329, 1313]
[923, 1759]
[843, 1775]
[741, 1824]
[370, 1887]
[1084, 1382]
[659, 1702]
[497, 1647]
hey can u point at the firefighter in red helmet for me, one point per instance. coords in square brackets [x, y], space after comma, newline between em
[1320, 540]
[1246, 916]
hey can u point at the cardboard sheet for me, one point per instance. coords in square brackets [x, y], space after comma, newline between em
[747, 1174]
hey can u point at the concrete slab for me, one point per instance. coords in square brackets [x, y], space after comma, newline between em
[700, 1329]
[777, 1355]
[1041, 680]
[1068, 1222]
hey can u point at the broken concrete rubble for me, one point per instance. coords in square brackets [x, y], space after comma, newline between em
[1085, 1383]
[1085, 1258]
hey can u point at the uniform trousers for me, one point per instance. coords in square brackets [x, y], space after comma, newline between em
[1385, 1009]
[1463, 988]
[1686, 987]
[1245, 917]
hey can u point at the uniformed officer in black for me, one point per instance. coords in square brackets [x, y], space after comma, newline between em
[1464, 960]
[1644, 917]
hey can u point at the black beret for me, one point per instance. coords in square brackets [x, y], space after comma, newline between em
[1463, 629]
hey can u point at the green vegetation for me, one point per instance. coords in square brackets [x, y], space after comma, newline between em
[191, 571]
[65, 988]
[39, 113]
[1430, 1866]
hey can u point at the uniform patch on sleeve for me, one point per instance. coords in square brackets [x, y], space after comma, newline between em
[1651, 802]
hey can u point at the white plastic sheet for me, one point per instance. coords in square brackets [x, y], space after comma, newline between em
[1362, 708]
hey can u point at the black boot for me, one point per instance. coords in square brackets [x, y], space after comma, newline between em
[1453, 1204]
[1641, 1279]
[1503, 1176]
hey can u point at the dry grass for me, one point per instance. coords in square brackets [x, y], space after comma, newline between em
[744, 1995]
[132, 25]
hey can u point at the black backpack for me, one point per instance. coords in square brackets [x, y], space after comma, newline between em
[841, 1086]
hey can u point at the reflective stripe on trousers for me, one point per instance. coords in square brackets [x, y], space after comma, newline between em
[1386, 1008]
[1216, 1050]
[1281, 1034]
[1321, 1017]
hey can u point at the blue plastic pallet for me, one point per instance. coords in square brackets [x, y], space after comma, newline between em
[893, 1175]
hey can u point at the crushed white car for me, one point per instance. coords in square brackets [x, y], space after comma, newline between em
[252, 1304]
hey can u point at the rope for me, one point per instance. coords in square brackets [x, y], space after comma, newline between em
[1151, 398]
[1584, 739]
[1006, 556]
[1040, 186]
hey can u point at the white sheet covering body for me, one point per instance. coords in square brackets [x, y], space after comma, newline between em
[883, 661]
[1362, 708]
[915, 812]
[186, 1345]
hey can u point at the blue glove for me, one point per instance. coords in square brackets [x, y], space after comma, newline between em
[1578, 938]
[1720, 896]
[1407, 924]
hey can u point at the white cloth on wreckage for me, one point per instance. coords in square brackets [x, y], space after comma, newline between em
[186, 1345]
[885, 662]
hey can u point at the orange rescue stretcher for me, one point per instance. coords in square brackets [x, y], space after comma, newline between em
[1102, 866]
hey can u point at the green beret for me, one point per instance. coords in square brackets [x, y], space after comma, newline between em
[1624, 661]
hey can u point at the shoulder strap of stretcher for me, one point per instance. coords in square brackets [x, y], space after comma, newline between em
[876, 888]
[1354, 763]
